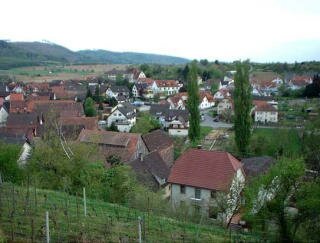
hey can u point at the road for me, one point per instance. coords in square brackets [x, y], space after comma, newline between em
[208, 121]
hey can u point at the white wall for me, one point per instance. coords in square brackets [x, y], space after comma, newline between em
[266, 116]
[178, 132]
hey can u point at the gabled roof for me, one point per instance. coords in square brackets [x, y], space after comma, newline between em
[262, 105]
[121, 144]
[22, 120]
[62, 107]
[167, 83]
[127, 110]
[86, 122]
[213, 170]
[119, 89]
[157, 140]
[150, 170]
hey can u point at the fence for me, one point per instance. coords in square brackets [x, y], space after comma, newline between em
[23, 217]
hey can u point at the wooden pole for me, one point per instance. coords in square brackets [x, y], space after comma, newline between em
[47, 228]
[84, 202]
[139, 228]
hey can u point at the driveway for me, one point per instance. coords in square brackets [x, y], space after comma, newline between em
[208, 121]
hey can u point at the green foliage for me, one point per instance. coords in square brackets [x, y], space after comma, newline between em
[89, 94]
[9, 168]
[313, 89]
[145, 123]
[275, 142]
[268, 196]
[193, 104]
[311, 145]
[111, 101]
[113, 127]
[242, 107]
[89, 107]
[119, 184]
[214, 88]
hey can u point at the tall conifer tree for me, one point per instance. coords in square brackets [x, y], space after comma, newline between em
[242, 107]
[193, 104]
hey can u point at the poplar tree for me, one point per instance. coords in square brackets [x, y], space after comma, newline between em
[242, 107]
[193, 104]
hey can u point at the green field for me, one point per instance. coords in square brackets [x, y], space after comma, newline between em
[22, 218]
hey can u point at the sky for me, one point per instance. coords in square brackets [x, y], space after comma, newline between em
[226, 30]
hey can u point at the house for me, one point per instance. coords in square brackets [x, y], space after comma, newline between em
[265, 83]
[221, 94]
[72, 126]
[175, 121]
[225, 108]
[179, 101]
[265, 112]
[136, 75]
[151, 170]
[23, 123]
[126, 146]
[123, 116]
[4, 111]
[206, 100]
[138, 89]
[166, 87]
[198, 177]
[161, 142]
[120, 93]
[299, 82]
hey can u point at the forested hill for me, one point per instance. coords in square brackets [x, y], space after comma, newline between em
[17, 54]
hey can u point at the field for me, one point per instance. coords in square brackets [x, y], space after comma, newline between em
[61, 72]
[22, 217]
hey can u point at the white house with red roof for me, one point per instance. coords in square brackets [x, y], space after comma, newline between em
[166, 87]
[265, 111]
[198, 177]
[179, 101]
[298, 82]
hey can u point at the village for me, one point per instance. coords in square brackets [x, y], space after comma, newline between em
[106, 114]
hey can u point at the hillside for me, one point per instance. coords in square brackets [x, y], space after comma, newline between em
[22, 217]
[19, 54]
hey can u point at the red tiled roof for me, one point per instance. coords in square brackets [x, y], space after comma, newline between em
[115, 143]
[14, 97]
[300, 80]
[213, 170]
[87, 122]
[262, 105]
[167, 83]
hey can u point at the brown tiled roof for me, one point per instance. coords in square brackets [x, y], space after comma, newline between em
[86, 122]
[65, 108]
[16, 97]
[150, 167]
[167, 83]
[157, 140]
[300, 80]
[115, 143]
[206, 94]
[213, 170]
[148, 81]
[262, 105]
[18, 106]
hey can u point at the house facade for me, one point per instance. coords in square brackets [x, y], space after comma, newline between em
[166, 87]
[199, 177]
[265, 112]
[123, 116]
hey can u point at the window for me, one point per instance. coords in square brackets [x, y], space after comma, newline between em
[213, 194]
[197, 193]
[182, 189]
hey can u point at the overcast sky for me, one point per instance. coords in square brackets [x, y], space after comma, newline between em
[262, 30]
